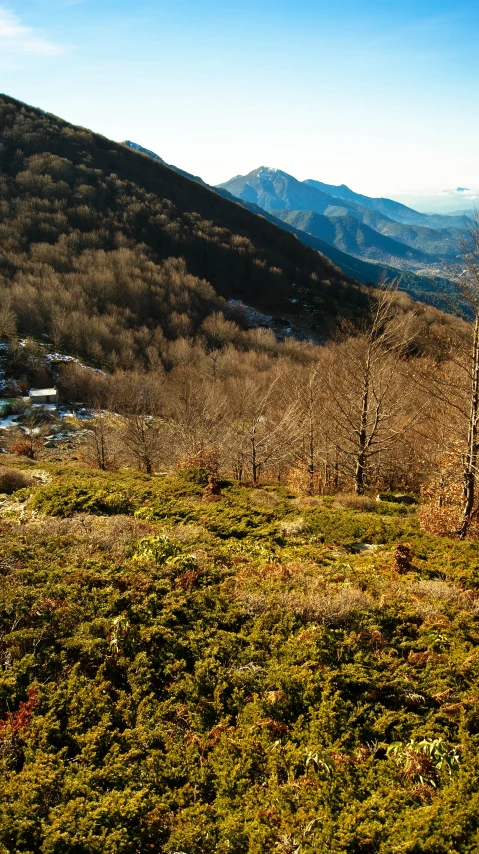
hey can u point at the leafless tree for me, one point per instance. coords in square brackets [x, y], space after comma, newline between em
[365, 388]
[262, 418]
[102, 438]
[468, 285]
[140, 406]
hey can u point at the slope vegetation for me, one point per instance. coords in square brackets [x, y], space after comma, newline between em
[228, 677]
[107, 249]
[386, 258]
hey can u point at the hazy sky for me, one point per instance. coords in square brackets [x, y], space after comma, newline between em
[382, 96]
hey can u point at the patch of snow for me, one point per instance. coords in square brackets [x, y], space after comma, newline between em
[253, 316]
[7, 422]
[45, 407]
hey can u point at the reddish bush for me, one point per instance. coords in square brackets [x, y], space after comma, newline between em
[16, 721]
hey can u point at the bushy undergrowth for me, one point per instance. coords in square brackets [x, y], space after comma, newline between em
[179, 675]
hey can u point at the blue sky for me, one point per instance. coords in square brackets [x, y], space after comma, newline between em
[382, 96]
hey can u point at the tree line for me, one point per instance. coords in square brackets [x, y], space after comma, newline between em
[363, 413]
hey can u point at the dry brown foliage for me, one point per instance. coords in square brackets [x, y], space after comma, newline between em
[402, 558]
[12, 479]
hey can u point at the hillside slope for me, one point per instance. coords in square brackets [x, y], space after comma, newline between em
[432, 289]
[355, 238]
[108, 249]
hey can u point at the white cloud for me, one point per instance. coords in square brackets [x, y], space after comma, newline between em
[16, 38]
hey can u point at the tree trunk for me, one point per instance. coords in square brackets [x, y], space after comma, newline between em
[362, 437]
[471, 458]
[254, 464]
[311, 454]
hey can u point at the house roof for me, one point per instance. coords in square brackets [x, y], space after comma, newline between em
[43, 392]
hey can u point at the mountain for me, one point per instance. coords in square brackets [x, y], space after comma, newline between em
[111, 253]
[432, 289]
[275, 190]
[388, 207]
[353, 237]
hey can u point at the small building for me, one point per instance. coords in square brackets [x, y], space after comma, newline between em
[43, 395]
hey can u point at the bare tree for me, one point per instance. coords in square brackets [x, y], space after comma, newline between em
[313, 443]
[195, 412]
[367, 396]
[262, 418]
[101, 440]
[468, 285]
[140, 406]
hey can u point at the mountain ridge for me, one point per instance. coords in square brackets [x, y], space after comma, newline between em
[390, 208]
[356, 238]
[119, 253]
[275, 190]
[435, 290]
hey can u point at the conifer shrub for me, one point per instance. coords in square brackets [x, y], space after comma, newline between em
[66, 499]
[221, 687]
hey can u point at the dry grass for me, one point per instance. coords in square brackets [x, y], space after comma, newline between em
[332, 607]
[12, 479]
[292, 527]
[350, 501]
[304, 502]
[263, 498]
[432, 596]
[300, 589]
[113, 535]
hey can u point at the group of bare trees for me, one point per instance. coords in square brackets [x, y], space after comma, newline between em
[390, 402]
[363, 412]
[344, 415]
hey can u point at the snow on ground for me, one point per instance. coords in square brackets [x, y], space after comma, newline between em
[253, 316]
[8, 421]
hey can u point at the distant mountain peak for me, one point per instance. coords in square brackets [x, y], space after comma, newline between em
[267, 171]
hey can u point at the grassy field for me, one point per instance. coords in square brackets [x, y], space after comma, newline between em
[183, 675]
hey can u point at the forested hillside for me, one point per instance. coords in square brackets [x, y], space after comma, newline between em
[417, 243]
[356, 238]
[110, 252]
[428, 246]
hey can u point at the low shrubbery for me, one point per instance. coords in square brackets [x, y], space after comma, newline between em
[228, 677]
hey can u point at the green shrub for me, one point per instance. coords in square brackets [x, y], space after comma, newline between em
[65, 499]
[261, 694]
[195, 475]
